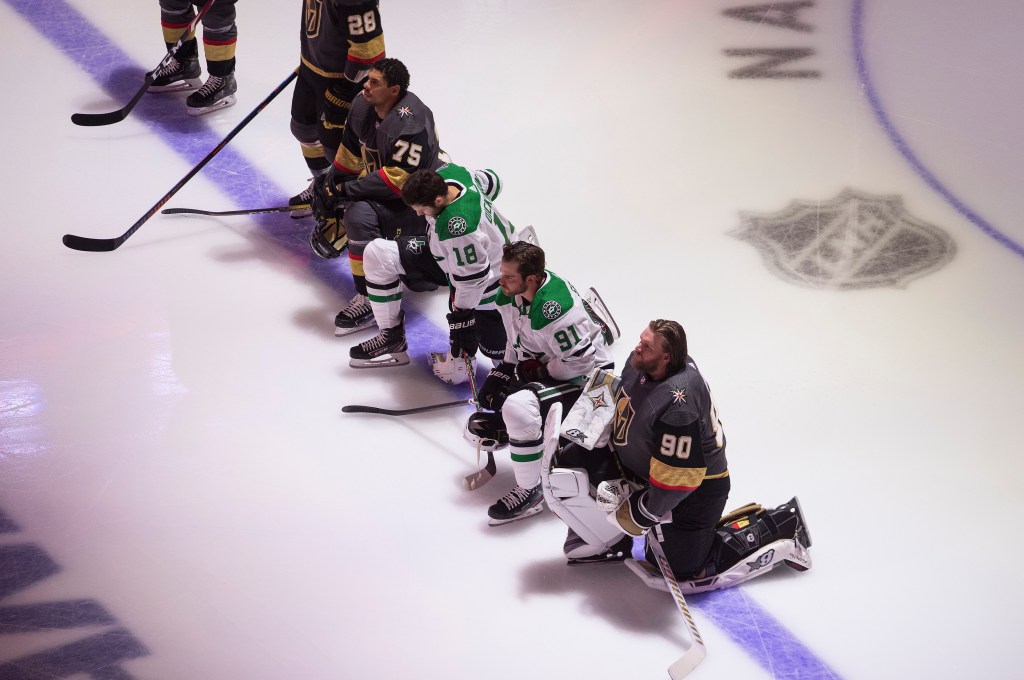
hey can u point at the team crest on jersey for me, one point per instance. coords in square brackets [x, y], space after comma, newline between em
[551, 310]
[404, 112]
[679, 396]
[624, 414]
[415, 245]
[457, 226]
[855, 240]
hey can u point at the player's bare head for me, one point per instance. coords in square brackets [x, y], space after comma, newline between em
[673, 342]
[528, 258]
[522, 268]
[393, 72]
[422, 189]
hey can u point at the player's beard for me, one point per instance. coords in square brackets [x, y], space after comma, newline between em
[645, 367]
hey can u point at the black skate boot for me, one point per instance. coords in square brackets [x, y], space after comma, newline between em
[387, 349]
[301, 203]
[355, 317]
[217, 93]
[518, 503]
[177, 76]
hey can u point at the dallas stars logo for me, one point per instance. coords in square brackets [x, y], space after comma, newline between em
[679, 396]
[404, 111]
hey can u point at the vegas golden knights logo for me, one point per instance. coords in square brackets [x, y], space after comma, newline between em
[624, 414]
[314, 10]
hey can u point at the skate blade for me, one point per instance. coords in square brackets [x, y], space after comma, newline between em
[385, 361]
[180, 86]
[339, 331]
[528, 513]
[222, 104]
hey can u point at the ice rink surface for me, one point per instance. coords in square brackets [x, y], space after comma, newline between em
[825, 194]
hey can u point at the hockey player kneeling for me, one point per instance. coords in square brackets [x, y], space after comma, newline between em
[647, 463]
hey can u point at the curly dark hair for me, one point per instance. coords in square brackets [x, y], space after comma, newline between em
[394, 72]
[423, 187]
[528, 257]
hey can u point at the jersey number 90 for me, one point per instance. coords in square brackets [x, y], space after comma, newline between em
[676, 445]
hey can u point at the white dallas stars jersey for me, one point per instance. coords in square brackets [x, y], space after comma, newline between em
[466, 239]
[554, 329]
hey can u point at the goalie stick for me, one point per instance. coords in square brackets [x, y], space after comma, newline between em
[92, 119]
[485, 474]
[103, 245]
[225, 213]
[696, 652]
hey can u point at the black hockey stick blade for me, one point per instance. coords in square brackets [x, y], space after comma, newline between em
[481, 476]
[225, 213]
[359, 408]
[96, 119]
[92, 245]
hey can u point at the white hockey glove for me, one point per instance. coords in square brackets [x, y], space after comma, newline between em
[611, 493]
[589, 421]
[632, 517]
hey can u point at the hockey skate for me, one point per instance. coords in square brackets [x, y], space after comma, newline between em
[356, 316]
[302, 202]
[519, 503]
[388, 348]
[217, 93]
[177, 76]
[801, 559]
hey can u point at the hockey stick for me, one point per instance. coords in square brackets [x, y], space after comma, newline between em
[486, 473]
[359, 408]
[108, 244]
[695, 654]
[225, 213]
[92, 119]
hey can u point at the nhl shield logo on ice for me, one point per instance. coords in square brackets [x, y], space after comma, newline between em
[855, 240]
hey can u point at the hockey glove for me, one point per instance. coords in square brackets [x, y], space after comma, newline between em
[462, 332]
[497, 386]
[328, 193]
[632, 516]
[532, 370]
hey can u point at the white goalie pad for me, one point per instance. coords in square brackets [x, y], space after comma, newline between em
[567, 492]
[452, 370]
[589, 421]
[761, 562]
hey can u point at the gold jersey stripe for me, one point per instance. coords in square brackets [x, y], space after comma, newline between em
[394, 177]
[367, 52]
[348, 161]
[668, 477]
[172, 33]
[219, 51]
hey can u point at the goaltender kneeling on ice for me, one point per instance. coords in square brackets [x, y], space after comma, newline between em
[646, 462]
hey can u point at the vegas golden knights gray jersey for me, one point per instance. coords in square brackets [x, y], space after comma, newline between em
[668, 433]
[341, 38]
[383, 153]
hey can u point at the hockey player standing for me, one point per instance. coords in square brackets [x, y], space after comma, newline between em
[553, 345]
[339, 41]
[669, 444]
[389, 134]
[462, 248]
[183, 72]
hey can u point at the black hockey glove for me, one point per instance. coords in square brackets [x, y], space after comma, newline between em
[633, 517]
[532, 370]
[497, 386]
[462, 333]
[328, 193]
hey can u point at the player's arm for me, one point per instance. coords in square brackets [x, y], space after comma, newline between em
[401, 160]
[571, 352]
[365, 36]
